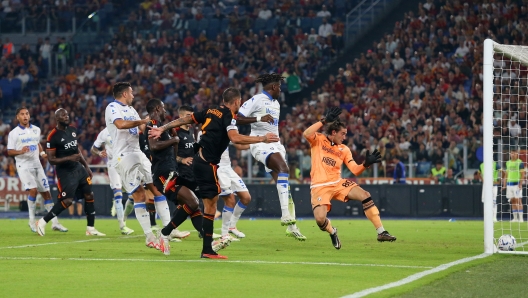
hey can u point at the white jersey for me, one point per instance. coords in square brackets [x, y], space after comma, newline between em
[21, 137]
[260, 105]
[124, 140]
[104, 138]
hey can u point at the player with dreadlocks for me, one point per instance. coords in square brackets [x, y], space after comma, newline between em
[262, 111]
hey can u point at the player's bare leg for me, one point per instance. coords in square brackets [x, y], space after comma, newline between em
[371, 212]
[320, 213]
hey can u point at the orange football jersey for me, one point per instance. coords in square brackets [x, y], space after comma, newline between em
[327, 159]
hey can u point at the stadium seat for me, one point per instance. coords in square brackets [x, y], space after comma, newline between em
[192, 25]
[260, 24]
[306, 24]
[270, 25]
[202, 25]
[316, 22]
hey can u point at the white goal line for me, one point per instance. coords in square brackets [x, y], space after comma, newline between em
[209, 261]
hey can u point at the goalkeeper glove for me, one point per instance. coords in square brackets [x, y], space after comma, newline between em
[371, 159]
[331, 115]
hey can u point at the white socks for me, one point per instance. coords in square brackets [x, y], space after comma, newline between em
[48, 204]
[227, 215]
[282, 189]
[143, 217]
[118, 197]
[237, 212]
[32, 206]
[162, 208]
[380, 230]
[129, 207]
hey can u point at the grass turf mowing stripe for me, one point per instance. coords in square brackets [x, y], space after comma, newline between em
[415, 277]
[202, 261]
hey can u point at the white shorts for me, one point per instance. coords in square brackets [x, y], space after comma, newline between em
[494, 194]
[134, 170]
[33, 178]
[113, 176]
[513, 192]
[230, 182]
[261, 151]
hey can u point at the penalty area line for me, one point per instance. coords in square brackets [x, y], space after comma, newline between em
[415, 277]
[209, 261]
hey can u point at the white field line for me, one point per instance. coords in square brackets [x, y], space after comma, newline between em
[414, 277]
[69, 242]
[208, 261]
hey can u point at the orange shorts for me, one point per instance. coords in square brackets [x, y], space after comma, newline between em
[338, 191]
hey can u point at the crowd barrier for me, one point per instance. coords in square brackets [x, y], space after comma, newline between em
[408, 200]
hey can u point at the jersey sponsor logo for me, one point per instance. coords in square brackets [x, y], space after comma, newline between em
[272, 112]
[70, 144]
[331, 151]
[189, 145]
[28, 140]
[329, 161]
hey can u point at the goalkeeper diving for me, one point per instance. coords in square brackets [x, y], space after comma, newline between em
[328, 154]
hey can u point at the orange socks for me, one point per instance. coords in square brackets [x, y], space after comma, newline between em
[372, 212]
[327, 226]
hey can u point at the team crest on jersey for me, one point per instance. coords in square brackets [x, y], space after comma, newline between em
[34, 131]
[74, 134]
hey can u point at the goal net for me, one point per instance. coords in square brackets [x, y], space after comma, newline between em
[505, 126]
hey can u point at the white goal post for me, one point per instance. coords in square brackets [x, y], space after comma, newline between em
[508, 66]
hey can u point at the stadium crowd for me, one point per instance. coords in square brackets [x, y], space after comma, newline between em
[418, 89]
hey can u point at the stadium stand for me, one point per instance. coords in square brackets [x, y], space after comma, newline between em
[417, 90]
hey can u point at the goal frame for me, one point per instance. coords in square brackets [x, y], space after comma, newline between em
[490, 48]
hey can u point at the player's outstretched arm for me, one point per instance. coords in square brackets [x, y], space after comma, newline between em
[243, 120]
[53, 160]
[156, 144]
[127, 124]
[309, 133]
[155, 132]
[237, 138]
[100, 152]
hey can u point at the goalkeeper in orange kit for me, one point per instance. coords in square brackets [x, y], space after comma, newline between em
[328, 154]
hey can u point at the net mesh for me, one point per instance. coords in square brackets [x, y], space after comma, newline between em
[510, 121]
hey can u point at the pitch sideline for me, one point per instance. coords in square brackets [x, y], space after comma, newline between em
[415, 277]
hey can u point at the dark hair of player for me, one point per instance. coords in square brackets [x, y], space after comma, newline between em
[335, 126]
[153, 104]
[185, 108]
[230, 94]
[20, 109]
[119, 88]
[269, 78]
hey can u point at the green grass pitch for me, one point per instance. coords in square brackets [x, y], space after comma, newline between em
[264, 264]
